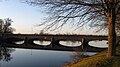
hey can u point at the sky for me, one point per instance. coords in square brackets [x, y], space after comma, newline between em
[26, 18]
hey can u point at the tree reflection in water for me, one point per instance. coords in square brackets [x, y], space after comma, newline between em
[5, 53]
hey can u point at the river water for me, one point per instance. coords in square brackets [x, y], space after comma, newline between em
[16, 57]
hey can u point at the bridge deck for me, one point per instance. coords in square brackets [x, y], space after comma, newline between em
[63, 37]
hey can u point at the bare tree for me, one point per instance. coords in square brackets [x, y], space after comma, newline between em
[5, 26]
[100, 13]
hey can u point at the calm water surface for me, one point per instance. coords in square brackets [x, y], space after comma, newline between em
[36, 58]
[42, 58]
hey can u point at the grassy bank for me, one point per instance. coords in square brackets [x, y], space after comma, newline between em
[99, 60]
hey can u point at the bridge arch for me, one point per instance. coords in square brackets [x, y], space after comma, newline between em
[98, 43]
[70, 43]
[41, 43]
[32, 41]
[12, 40]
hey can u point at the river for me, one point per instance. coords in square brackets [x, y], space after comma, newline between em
[16, 57]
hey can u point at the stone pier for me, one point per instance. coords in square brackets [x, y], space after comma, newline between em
[84, 43]
[54, 42]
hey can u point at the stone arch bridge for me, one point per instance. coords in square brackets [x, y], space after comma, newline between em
[29, 38]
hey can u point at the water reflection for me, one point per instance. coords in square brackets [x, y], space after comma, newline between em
[32, 57]
[5, 53]
[70, 43]
[100, 44]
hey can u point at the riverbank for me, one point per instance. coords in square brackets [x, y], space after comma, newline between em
[99, 60]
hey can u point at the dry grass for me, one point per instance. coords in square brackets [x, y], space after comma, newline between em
[99, 60]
